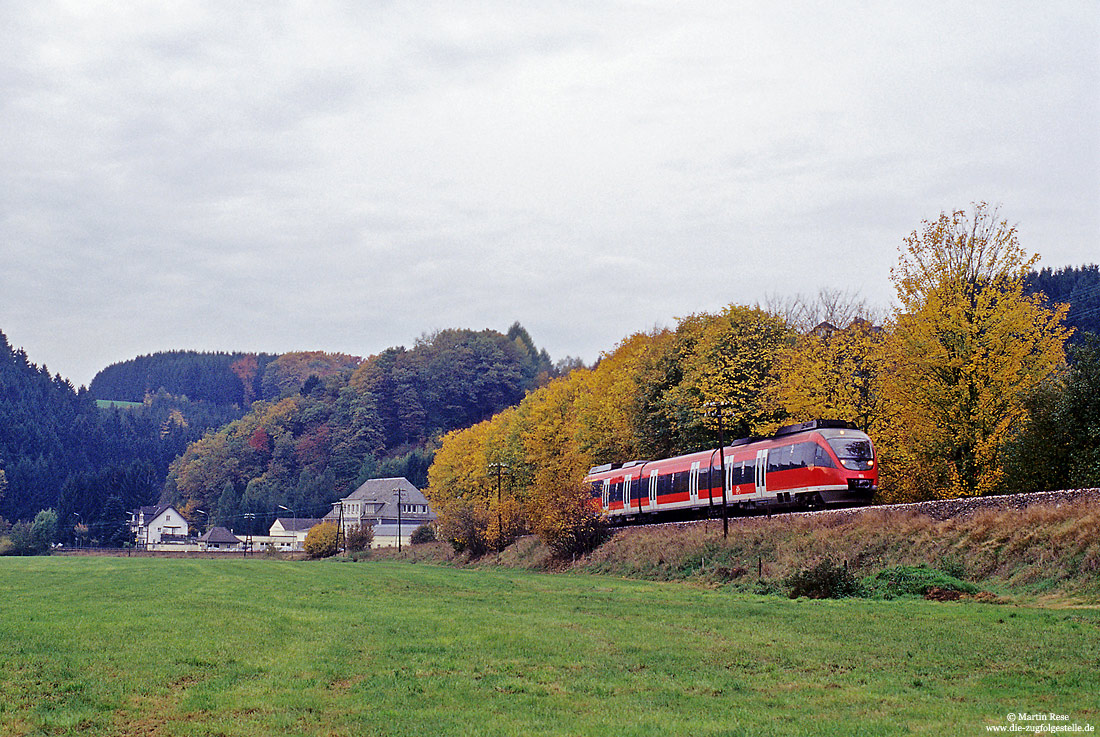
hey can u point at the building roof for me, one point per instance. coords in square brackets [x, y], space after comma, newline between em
[219, 535]
[383, 490]
[151, 513]
[297, 524]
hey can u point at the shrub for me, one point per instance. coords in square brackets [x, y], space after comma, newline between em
[321, 540]
[463, 525]
[423, 534]
[920, 580]
[22, 539]
[359, 538]
[826, 580]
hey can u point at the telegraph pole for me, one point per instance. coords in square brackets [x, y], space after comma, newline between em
[398, 491]
[500, 519]
[718, 407]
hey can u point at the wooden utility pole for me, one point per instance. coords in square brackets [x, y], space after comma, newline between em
[398, 491]
[500, 518]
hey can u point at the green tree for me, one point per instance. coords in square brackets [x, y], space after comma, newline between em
[1059, 446]
[425, 533]
[229, 506]
[22, 539]
[44, 530]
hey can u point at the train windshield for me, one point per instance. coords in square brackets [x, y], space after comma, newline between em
[854, 453]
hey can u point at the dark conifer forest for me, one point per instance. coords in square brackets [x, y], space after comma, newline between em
[1077, 286]
[60, 450]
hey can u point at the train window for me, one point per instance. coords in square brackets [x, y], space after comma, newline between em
[616, 491]
[821, 457]
[664, 484]
[680, 483]
[804, 454]
[853, 453]
[780, 459]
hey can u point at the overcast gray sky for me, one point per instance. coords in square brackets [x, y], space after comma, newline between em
[345, 176]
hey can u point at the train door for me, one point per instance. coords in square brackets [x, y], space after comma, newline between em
[653, 489]
[693, 482]
[626, 494]
[727, 480]
[606, 496]
[761, 473]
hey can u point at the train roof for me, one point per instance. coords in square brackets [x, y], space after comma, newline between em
[814, 425]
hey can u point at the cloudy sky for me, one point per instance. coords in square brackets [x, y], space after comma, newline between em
[346, 176]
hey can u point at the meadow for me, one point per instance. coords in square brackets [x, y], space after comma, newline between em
[129, 646]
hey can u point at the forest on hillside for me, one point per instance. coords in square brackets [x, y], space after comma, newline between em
[313, 424]
[322, 437]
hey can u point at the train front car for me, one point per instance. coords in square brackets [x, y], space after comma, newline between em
[843, 471]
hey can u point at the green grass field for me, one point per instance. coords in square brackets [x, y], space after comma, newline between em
[261, 647]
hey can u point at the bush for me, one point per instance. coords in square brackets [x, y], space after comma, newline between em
[826, 580]
[22, 539]
[463, 525]
[359, 538]
[914, 581]
[423, 534]
[321, 540]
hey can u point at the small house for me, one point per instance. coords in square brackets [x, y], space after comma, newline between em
[289, 533]
[219, 538]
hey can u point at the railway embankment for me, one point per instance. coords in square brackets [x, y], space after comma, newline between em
[1025, 545]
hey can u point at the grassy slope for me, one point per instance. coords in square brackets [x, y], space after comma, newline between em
[1041, 549]
[256, 647]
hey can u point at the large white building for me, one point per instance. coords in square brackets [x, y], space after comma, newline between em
[390, 506]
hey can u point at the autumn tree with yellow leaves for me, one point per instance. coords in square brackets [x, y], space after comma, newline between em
[833, 374]
[965, 347]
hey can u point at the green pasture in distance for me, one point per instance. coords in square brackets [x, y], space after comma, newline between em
[116, 404]
[124, 646]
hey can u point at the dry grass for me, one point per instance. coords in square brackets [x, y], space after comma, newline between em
[1037, 549]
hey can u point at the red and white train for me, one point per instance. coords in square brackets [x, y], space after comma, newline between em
[812, 464]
